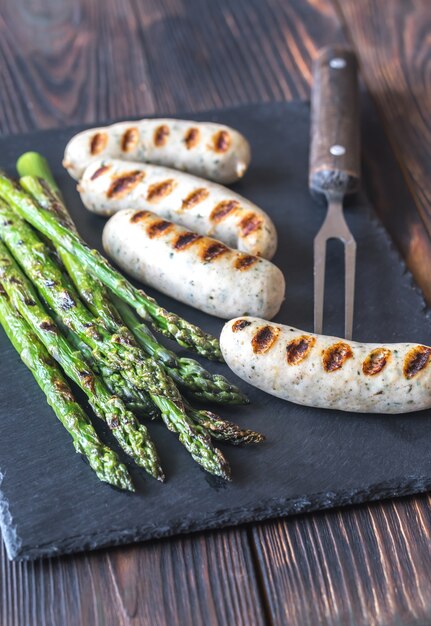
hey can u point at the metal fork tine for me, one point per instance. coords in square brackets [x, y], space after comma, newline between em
[319, 280]
[349, 269]
[334, 227]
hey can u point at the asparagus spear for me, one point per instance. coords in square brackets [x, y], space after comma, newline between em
[41, 185]
[144, 373]
[135, 399]
[188, 373]
[171, 325]
[216, 426]
[23, 241]
[132, 436]
[224, 430]
[118, 350]
[33, 353]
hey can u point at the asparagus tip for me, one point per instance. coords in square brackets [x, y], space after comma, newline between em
[224, 467]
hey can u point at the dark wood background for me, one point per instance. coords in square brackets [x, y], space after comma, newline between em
[65, 61]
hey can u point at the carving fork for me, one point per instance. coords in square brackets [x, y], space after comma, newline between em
[334, 170]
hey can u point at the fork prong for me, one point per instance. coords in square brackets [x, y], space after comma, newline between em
[319, 280]
[349, 281]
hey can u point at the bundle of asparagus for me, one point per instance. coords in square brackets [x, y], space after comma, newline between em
[66, 300]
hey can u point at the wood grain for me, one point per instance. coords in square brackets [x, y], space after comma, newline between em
[205, 579]
[65, 62]
[393, 46]
[361, 566]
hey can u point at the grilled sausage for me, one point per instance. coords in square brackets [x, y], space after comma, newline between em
[327, 372]
[210, 150]
[197, 270]
[207, 208]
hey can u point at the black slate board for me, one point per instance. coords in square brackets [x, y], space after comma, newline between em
[50, 501]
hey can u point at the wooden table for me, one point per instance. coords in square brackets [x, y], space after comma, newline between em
[64, 62]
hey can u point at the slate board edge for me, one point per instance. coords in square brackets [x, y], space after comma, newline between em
[8, 529]
[272, 509]
[266, 510]
[393, 250]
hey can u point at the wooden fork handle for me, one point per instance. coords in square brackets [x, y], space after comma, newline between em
[335, 144]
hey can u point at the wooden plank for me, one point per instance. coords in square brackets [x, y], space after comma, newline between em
[364, 566]
[394, 54]
[64, 64]
[205, 579]
[225, 53]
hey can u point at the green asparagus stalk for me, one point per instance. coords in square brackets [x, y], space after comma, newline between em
[118, 350]
[132, 436]
[42, 186]
[187, 373]
[136, 400]
[169, 324]
[191, 434]
[216, 426]
[23, 241]
[47, 374]
[45, 191]
[222, 429]
[144, 373]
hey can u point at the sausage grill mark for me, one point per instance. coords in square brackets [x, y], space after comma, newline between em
[416, 360]
[249, 224]
[161, 135]
[139, 216]
[223, 209]
[185, 240]
[240, 325]
[221, 141]
[298, 349]
[336, 355]
[159, 228]
[129, 139]
[244, 262]
[375, 361]
[213, 251]
[98, 143]
[195, 197]
[192, 138]
[125, 183]
[100, 170]
[157, 191]
[264, 339]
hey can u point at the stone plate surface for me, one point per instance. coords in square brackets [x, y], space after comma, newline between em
[52, 503]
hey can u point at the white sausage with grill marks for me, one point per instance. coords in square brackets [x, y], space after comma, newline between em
[111, 185]
[210, 150]
[197, 270]
[328, 372]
